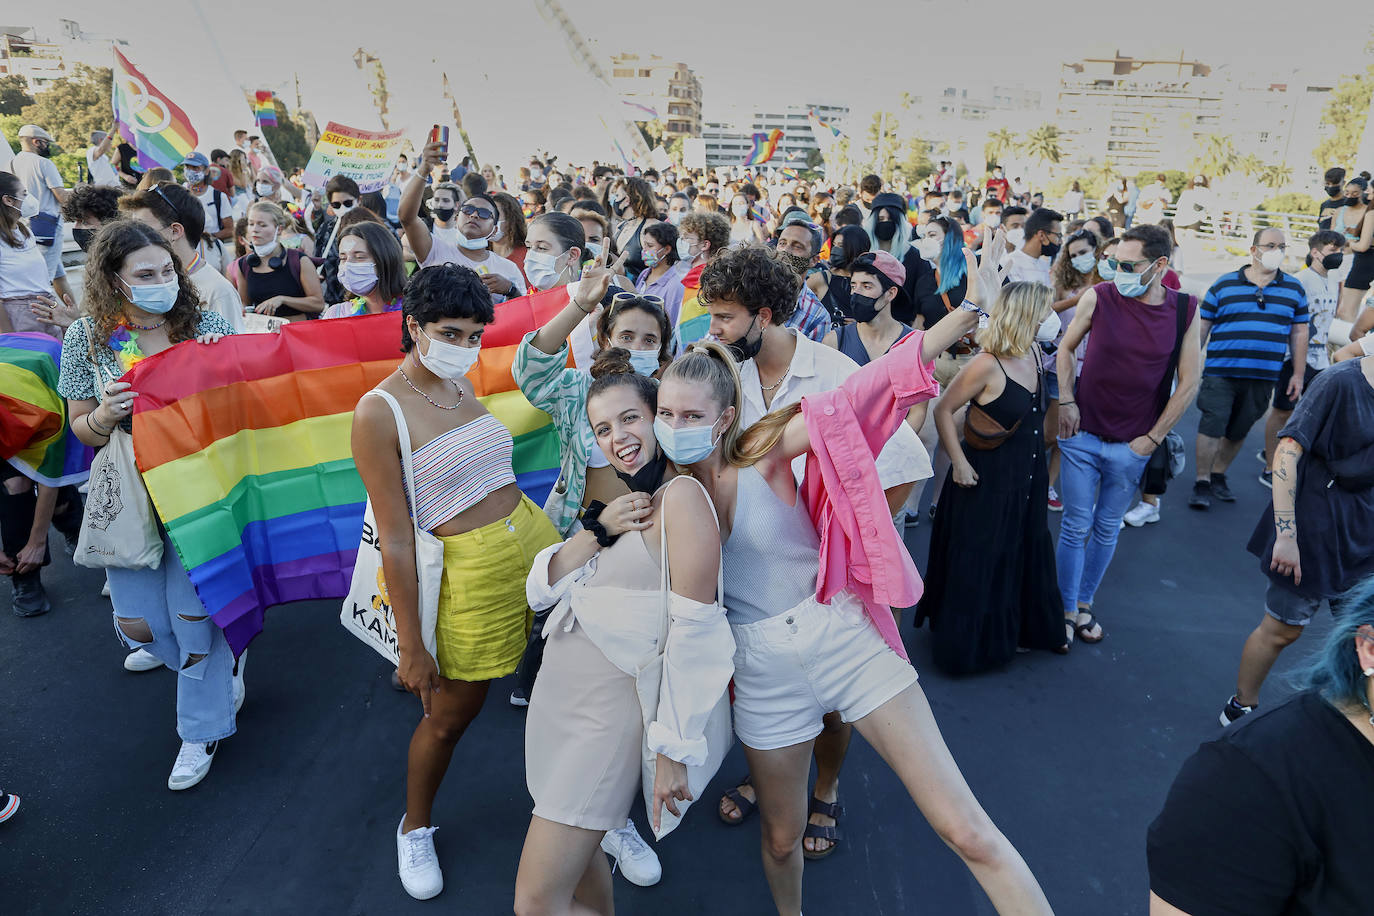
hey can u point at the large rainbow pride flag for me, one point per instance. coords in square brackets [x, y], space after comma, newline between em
[265, 108]
[765, 144]
[244, 446]
[148, 120]
[34, 435]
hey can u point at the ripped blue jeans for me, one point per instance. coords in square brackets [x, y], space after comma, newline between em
[183, 638]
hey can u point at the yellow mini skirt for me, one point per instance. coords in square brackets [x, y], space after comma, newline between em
[484, 619]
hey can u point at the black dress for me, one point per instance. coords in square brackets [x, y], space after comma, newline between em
[990, 583]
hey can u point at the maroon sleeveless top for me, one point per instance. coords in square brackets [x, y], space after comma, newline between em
[1124, 362]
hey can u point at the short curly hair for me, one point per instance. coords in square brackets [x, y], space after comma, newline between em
[98, 202]
[444, 291]
[754, 278]
[709, 227]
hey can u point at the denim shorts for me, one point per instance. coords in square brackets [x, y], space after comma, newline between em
[1293, 609]
[792, 669]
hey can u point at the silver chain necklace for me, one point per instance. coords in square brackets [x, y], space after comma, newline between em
[427, 397]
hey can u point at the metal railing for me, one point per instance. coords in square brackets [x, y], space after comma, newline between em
[1227, 223]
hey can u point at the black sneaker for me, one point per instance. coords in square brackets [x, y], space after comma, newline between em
[30, 599]
[1202, 495]
[1233, 711]
[1220, 490]
[1267, 478]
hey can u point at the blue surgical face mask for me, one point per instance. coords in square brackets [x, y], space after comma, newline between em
[1084, 262]
[687, 445]
[155, 298]
[645, 362]
[1104, 269]
[1130, 285]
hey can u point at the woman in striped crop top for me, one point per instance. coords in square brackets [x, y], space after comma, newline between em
[799, 656]
[466, 495]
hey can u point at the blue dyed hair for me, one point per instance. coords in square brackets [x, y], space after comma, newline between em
[1335, 669]
[952, 264]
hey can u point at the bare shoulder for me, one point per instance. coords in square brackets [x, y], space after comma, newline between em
[688, 502]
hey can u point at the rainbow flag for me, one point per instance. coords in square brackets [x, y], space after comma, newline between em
[765, 144]
[817, 125]
[245, 450]
[265, 108]
[789, 174]
[34, 435]
[693, 321]
[148, 120]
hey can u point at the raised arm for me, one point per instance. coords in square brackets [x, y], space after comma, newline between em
[589, 293]
[408, 209]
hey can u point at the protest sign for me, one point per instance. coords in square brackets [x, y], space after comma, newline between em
[366, 156]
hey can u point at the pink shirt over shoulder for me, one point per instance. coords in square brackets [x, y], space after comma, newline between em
[860, 548]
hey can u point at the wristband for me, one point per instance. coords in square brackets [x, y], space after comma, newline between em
[598, 531]
[573, 300]
[1068, 403]
[1152, 439]
[95, 428]
[969, 305]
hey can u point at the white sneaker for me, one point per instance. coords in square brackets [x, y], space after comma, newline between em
[1142, 514]
[417, 863]
[638, 863]
[105, 589]
[193, 763]
[141, 660]
[239, 690]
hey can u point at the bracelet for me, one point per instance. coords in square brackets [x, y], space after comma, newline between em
[573, 300]
[95, 428]
[1068, 403]
[969, 305]
[1152, 439]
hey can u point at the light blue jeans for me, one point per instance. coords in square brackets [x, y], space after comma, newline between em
[1096, 482]
[184, 639]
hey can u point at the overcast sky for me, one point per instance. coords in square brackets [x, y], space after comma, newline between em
[518, 88]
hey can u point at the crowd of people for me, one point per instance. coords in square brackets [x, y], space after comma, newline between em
[756, 383]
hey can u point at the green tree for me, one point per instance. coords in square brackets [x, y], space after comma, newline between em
[1174, 180]
[916, 166]
[1043, 144]
[1249, 165]
[1275, 176]
[1100, 177]
[1000, 142]
[652, 131]
[1216, 156]
[14, 94]
[1346, 112]
[1290, 202]
[73, 106]
[287, 140]
[882, 140]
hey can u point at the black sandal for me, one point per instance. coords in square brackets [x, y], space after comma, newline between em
[743, 805]
[1083, 629]
[817, 832]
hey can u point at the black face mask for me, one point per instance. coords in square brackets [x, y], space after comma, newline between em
[1333, 190]
[1333, 261]
[863, 308]
[648, 478]
[83, 237]
[1049, 250]
[1352, 202]
[837, 257]
[743, 349]
[444, 214]
[885, 231]
[45, 150]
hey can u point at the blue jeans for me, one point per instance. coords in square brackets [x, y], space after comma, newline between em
[1096, 482]
[194, 648]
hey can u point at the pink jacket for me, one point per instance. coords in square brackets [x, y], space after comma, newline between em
[860, 547]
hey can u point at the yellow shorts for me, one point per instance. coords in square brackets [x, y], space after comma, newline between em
[484, 619]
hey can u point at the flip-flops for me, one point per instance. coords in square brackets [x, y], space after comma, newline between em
[1083, 629]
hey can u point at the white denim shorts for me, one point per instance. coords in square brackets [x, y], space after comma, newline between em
[792, 669]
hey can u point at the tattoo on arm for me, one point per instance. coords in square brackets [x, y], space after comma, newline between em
[1285, 525]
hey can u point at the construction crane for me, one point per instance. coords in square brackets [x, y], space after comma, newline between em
[624, 132]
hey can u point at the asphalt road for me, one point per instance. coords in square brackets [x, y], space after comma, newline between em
[1071, 756]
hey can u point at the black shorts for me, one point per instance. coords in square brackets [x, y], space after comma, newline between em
[1230, 406]
[1361, 270]
[1281, 401]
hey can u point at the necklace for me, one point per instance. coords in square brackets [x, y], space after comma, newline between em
[427, 397]
[774, 386]
[151, 327]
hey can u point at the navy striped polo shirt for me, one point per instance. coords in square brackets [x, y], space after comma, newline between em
[1251, 324]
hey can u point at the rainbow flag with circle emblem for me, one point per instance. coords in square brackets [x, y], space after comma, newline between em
[244, 446]
[148, 120]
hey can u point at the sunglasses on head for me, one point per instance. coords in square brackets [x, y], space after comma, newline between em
[341, 204]
[479, 212]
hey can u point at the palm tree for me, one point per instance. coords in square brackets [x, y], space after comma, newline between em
[1043, 143]
[1216, 156]
[999, 142]
[1275, 176]
[1249, 164]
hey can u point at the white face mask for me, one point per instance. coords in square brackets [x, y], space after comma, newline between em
[541, 269]
[1271, 259]
[447, 360]
[739, 209]
[28, 207]
[645, 362]
[264, 188]
[1016, 238]
[470, 244]
[1049, 328]
[684, 250]
[929, 248]
[266, 248]
[992, 220]
[675, 217]
[1084, 262]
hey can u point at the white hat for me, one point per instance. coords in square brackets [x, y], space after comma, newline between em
[35, 132]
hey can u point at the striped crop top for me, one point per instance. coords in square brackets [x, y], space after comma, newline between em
[459, 468]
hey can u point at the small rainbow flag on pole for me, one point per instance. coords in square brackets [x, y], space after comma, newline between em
[245, 451]
[148, 120]
[265, 108]
[765, 144]
[693, 321]
[34, 435]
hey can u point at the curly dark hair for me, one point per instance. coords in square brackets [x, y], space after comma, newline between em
[754, 278]
[444, 291]
[709, 227]
[105, 299]
[95, 201]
